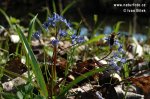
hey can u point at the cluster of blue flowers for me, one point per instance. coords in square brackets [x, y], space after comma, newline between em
[117, 59]
[52, 21]
[77, 39]
[62, 24]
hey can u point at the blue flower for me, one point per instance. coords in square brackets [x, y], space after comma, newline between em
[74, 36]
[55, 42]
[117, 68]
[80, 39]
[73, 41]
[116, 42]
[120, 49]
[123, 60]
[114, 65]
[62, 33]
[46, 25]
[37, 35]
[67, 23]
[51, 21]
[77, 39]
[59, 22]
[56, 17]
[117, 57]
[107, 39]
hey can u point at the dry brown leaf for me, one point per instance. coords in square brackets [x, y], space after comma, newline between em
[15, 65]
[142, 82]
[85, 66]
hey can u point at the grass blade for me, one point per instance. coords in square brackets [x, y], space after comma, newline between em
[54, 6]
[78, 79]
[95, 39]
[7, 18]
[68, 6]
[116, 29]
[31, 28]
[39, 23]
[92, 40]
[35, 66]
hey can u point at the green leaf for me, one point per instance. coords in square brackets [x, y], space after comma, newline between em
[48, 51]
[35, 66]
[54, 5]
[14, 20]
[31, 28]
[79, 79]
[8, 96]
[39, 97]
[39, 23]
[94, 39]
[126, 70]
[7, 18]
[117, 26]
[28, 88]
[68, 6]
[95, 18]
[19, 94]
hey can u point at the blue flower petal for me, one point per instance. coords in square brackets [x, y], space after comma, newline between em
[55, 42]
[37, 35]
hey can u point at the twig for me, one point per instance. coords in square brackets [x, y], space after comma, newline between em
[97, 61]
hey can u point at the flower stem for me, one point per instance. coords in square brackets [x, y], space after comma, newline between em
[54, 63]
[53, 71]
